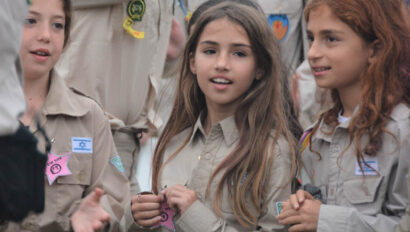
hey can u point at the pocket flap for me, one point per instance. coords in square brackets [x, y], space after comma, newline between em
[80, 166]
[362, 190]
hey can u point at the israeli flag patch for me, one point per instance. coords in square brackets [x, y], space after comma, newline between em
[82, 145]
[116, 161]
[368, 171]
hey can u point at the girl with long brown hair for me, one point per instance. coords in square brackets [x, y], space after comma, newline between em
[226, 154]
[357, 153]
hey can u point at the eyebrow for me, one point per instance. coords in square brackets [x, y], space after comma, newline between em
[38, 14]
[234, 44]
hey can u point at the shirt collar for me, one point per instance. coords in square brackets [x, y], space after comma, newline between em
[61, 100]
[227, 126]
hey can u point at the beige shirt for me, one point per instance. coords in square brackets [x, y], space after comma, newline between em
[196, 162]
[374, 202]
[12, 104]
[66, 116]
[106, 63]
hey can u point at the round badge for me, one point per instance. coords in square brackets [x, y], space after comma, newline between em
[279, 24]
[136, 9]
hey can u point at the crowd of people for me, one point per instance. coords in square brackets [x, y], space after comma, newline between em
[267, 115]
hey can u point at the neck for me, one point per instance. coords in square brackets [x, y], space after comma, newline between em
[350, 99]
[35, 92]
[216, 114]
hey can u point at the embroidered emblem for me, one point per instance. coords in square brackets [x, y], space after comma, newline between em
[167, 217]
[57, 166]
[278, 207]
[29, 2]
[116, 161]
[82, 145]
[280, 25]
[136, 9]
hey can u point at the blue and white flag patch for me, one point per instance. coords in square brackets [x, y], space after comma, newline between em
[116, 161]
[368, 171]
[82, 145]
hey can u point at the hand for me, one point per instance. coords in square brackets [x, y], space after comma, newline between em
[146, 209]
[297, 199]
[305, 218]
[176, 41]
[180, 197]
[295, 92]
[90, 216]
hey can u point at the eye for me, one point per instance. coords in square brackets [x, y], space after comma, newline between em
[239, 54]
[58, 25]
[331, 39]
[209, 51]
[29, 21]
[310, 38]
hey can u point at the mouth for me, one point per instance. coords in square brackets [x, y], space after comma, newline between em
[221, 81]
[320, 70]
[41, 52]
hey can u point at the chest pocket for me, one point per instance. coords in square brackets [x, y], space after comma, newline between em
[362, 191]
[80, 166]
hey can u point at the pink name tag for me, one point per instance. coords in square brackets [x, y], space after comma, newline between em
[167, 217]
[57, 166]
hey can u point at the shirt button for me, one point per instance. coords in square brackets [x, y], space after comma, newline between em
[207, 156]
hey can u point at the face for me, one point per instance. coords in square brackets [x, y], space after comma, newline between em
[224, 64]
[337, 55]
[43, 37]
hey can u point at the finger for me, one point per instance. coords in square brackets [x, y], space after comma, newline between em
[287, 213]
[96, 195]
[298, 228]
[293, 201]
[145, 207]
[149, 222]
[97, 225]
[147, 214]
[302, 194]
[291, 220]
[151, 198]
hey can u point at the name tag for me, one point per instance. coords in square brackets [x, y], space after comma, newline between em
[370, 169]
[82, 145]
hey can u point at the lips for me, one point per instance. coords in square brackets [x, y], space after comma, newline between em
[221, 81]
[320, 70]
[41, 54]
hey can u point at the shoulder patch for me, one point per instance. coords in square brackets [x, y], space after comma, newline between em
[280, 25]
[116, 161]
[305, 140]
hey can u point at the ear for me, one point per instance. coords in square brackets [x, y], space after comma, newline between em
[259, 74]
[374, 51]
[192, 63]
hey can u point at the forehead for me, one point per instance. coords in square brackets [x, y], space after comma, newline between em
[52, 8]
[224, 29]
[323, 18]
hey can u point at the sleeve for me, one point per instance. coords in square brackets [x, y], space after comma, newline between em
[200, 218]
[344, 219]
[107, 171]
[12, 102]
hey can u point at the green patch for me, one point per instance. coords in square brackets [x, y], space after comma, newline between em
[116, 161]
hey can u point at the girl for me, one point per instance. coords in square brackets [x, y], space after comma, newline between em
[226, 155]
[82, 155]
[358, 150]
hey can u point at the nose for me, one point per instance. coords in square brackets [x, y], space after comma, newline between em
[314, 51]
[44, 33]
[222, 62]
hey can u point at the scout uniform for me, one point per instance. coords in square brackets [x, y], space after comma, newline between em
[12, 103]
[116, 54]
[353, 202]
[82, 157]
[193, 167]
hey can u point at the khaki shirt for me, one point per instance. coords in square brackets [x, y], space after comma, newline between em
[66, 115]
[12, 103]
[196, 162]
[374, 202]
[404, 225]
[106, 63]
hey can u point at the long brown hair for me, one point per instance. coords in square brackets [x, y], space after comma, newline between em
[385, 82]
[260, 111]
[67, 18]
